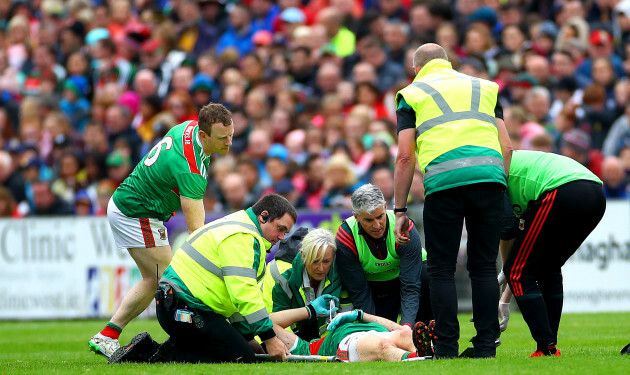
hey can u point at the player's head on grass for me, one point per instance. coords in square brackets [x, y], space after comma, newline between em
[216, 128]
[276, 216]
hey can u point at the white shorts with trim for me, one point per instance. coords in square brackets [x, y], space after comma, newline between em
[131, 232]
[348, 346]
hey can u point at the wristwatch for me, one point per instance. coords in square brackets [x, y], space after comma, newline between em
[396, 210]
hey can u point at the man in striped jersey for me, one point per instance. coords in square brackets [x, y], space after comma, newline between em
[173, 174]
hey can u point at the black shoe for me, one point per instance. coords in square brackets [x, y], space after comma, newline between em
[469, 352]
[140, 349]
[625, 350]
[161, 355]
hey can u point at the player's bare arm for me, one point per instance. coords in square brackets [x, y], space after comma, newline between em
[193, 212]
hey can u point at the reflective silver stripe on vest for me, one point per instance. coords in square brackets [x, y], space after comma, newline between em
[236, 317]
[262, 274]
[476, 94]
[279, 279]
[256, 316]
[448, 114]
[239, 271]
[437, 97]
[473, 161]
[455, 116]
[251, 227]
[203, 261]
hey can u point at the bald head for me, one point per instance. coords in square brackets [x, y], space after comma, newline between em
[428, 52]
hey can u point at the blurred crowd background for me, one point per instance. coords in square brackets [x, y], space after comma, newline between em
[87, 87]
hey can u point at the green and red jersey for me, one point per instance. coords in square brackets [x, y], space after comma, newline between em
[176, 166]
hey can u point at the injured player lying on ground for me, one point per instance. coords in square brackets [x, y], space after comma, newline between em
[353, 336]
[356, 336]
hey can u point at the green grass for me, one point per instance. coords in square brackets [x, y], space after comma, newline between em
[590, 344]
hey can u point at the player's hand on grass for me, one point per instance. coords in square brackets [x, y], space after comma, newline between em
[276, 349]
[343, 318]
[504, 315]
[321, 305]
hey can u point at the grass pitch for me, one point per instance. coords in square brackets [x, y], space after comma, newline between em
[590, 344]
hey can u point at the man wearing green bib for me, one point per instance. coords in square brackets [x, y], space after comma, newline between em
[556, 204]
[381, 277]
[452, 125]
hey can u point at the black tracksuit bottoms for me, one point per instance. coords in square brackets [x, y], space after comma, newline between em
[481, 205]
[555, 226]
[208, 339]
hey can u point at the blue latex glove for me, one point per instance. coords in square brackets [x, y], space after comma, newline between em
[343, 318]
[321, 305]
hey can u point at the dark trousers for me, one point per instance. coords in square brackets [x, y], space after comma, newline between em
[425, 312]
[211, 341]
[555, 227]
[481, 205]
[386, 297]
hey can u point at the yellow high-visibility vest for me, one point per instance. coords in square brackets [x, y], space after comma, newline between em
[457, 140]
[221, 264]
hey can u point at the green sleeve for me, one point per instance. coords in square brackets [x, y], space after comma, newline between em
[402, 103]
[191, 185]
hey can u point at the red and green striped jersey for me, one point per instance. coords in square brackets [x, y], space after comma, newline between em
[176, 166]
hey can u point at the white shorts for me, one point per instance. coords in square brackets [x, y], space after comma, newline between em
[348, 346]
[131, 232]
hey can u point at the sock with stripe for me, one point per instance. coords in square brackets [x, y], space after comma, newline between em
[111, 330]
[409, 355]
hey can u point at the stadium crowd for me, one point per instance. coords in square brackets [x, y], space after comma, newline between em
[87, 87]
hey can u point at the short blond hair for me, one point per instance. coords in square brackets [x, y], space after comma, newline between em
[315, 244]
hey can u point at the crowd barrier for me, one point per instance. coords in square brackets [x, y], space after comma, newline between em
[70, 268]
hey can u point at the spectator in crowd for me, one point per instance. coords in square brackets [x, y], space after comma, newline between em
[594, 117]
[47, 203]
[576, 144]
[339, 182]
[303, 73]
[618, 134]
[600, 45]
[234, 191]
[239, 32]
[118, 126]
[11, 178]
[8, 206]
[614, 178]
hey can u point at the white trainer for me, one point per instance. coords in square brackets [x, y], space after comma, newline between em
[103, 345]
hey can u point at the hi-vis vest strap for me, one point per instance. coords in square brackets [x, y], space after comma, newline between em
[376, 269]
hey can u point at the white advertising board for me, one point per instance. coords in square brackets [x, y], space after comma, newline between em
[597, 276]
[61, 268]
